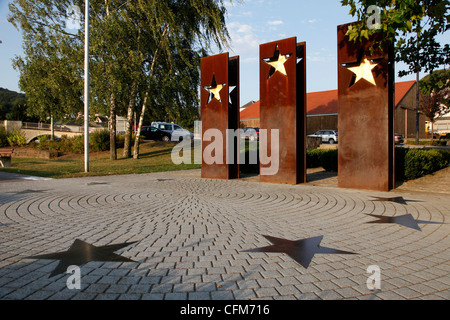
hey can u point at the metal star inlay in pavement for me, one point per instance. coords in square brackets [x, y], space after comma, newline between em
[29, 191]
[301, 251]
[400, 200]
[364, 71]
[81, 252]
[214, 90]
[406, 220]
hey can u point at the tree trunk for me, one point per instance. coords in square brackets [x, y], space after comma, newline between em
[52, 128]
[112, 132]
[138, 132]
[129, 131]
[144, 105]
[432, 130]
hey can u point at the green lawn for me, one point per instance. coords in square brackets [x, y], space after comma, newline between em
[154, 157]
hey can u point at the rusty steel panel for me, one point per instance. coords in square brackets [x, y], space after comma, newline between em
[220, 110]
[283, 107]
[366, 114]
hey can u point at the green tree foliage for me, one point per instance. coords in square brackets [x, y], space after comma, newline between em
[436, 81]
[175, 35]
[144, 56]
[435, 95]
[412, 25]
[49, 72]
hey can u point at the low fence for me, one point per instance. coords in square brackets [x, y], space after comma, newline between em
[56, 127]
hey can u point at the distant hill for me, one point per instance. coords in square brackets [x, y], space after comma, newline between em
[13, 105]
[11, 97]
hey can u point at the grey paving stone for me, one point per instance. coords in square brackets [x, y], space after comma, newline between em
[4, 291]
[152, 296]
[107, 296]
[199, 296]
[97, 288]
[222, 295]
[307, 288]
[329, 295]
[244, 294]
[248, 284]
[288, 290]
[161, 288]
[266, 292]
[63, 295]
[176, 296]
[191, 243]
[40, 295]
[326, 285]
[130, 296]
[183, 287]
[139, 289]
[118, 288]
[407, 293]
[390, 295]
[84, 296]
[201, 287]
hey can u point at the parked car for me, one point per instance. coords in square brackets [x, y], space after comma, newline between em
[445, 137]
[250, 133]
[330, 136]
[177, 132]
[153, 133]
[399, 138]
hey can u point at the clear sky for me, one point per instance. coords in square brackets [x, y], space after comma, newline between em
[250, 23]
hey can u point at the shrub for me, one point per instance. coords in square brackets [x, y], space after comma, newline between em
[329, 160]
[445, 153]
[400, 154]
[120, 140]
[99, 140]
[419, 162]
[77, 144]
[3, 138]
[314, 158]
[439, 143]
[17, 138]
[43, 139]
[247, 167]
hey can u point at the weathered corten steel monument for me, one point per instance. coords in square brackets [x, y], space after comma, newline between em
[220, 111]
[283, 107]
[366, 114]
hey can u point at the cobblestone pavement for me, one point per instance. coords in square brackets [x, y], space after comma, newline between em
[191, 236]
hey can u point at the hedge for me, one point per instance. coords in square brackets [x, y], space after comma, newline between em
[98, 141]
[420, 162]
[410, 164]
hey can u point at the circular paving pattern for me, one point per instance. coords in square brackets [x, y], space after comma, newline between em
[192, 238]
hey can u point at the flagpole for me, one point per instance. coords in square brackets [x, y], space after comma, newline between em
[86, 87]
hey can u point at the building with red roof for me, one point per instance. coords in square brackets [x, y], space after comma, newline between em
[323, 108]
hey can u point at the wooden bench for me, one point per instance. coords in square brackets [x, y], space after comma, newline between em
[5, 157]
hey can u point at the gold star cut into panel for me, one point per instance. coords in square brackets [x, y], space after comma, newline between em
[277, 63]
[214, 90]
[364, 71]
